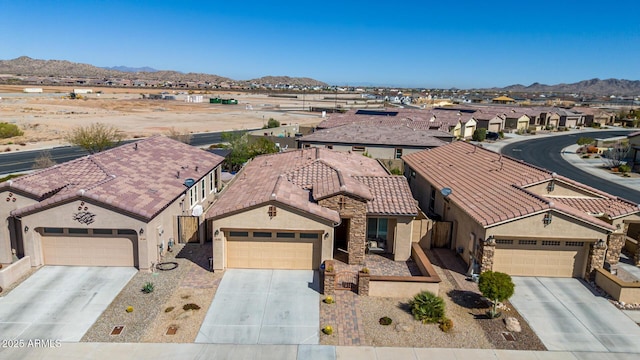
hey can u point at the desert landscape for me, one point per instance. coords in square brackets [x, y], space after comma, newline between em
[46, 117]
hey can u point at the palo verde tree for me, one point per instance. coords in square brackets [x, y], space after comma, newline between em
[242, 149]
[495, 286]
[95, 138]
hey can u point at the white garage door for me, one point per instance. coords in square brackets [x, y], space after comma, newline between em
[87, 251]
[292, 251]
[542, 258]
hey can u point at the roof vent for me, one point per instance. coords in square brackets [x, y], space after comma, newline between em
[188, 182]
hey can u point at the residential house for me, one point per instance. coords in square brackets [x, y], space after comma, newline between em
[634, 143]
[120, 207]
[596, 117]
[296, 209]
[504, 215]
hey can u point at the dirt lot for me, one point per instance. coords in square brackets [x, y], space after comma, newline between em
[46, 117]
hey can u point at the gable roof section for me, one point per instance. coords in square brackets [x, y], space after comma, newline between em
[491, 188]
[299, 178]
[390, 135]
[140, 178]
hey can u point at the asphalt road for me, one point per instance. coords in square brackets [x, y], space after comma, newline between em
[545, 153]
[23, 160]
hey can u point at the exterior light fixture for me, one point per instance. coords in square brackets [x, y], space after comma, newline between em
[26, 228]
[326, 235]
[491, 240]
[600, 244]
[547, 219]
[141, 231]
[217, 232]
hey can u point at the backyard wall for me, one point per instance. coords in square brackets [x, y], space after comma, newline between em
[620, 290]
[12, 273]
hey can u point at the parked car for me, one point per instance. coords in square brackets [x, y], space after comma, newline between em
[493, 136]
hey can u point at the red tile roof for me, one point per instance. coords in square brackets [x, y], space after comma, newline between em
[300, 178]
[380, 134]
[492, 188]
[140, 178]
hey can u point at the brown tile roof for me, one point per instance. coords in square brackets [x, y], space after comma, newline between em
[140, 178]
[492, 188]
[611, 207]
[299, 178]
[382, 134]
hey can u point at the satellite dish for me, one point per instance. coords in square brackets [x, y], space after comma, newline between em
[197, 210]
[446, 191]
[189, 182]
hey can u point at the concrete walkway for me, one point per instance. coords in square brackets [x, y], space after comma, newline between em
[280, 352]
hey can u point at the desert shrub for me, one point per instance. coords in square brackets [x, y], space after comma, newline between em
[169, 309]
[427, 307]
[9, 130]
[129, 309]
[586, 156]
[495, 286]
[364, 270]
[327, 330]
[385, 321]
[446, 325]
[191, 306]
[396, 171]
[624, 168]
[272, 123]
[479, 135]
[501, 134]
[148, 288]
[328, 300]
[583, 140]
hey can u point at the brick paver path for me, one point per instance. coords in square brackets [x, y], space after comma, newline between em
[345, 314]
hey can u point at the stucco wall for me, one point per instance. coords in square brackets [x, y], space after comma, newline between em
[400, 289]
[559, 189]
[561, 227]
[12, 273]
[618, 289]
[403, 238]
[375, 151]
[8, 205]
[258, 218]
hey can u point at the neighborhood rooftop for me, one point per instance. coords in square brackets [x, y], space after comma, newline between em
[365, 133]
[140, 178]
[492, 188]
[300, 178]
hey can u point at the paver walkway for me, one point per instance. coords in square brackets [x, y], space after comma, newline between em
[345, 314]
[454, 268]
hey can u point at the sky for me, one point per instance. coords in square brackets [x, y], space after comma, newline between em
[420, 44]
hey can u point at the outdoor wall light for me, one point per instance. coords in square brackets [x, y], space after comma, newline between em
[491, 240]
[217, 232]
[326, 235]
[141, 231]
[26, 228]
[600, 244]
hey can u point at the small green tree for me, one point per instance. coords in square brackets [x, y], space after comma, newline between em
[9, 130]
[479, 135]
[427, 307]
[583, 140]
[495, 286]
[95, 138]
[242, 150]
[272, 123]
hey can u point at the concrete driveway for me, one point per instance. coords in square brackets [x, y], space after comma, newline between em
[567, 316]
[263, 307]
[60, 302]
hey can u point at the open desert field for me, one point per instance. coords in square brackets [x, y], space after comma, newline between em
[46, 117]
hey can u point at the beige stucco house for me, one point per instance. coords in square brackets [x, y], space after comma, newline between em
[296, 209]
[120, 207]
[505, 215]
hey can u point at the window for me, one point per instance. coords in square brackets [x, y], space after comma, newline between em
[358, 148]
[288, 235]
[342, 202]
[432, 201]
[309, 235]
[126, 232]
[203, 189]
[504, 242]
[574, 243]
[193, 196]
[527, 242]
[78, 231]
[330, 147]
[272, 211]
[377, 228]
[211, 181]
[306, 146]
[261, 234]
[239, 233]
[398, 153]
[550, 243]
[49, 230]
[102, 232]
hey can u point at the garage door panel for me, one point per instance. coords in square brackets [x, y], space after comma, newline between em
[268, 253]
[561, 262]
[86, 251]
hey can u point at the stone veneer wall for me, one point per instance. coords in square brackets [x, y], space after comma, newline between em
[485, 255]
[356, 211]
[329, 281]
[363, 283]
[615, 245]
[595, 260]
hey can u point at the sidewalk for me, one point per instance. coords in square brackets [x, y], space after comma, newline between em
[280, 352]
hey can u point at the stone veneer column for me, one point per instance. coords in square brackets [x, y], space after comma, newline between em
[329, 281]
[485, 254]
[615, 245]
[595, 260]
[356, 211]
[363, 283]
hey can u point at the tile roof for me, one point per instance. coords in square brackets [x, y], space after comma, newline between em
[380, 134]
[140, 178]
[299, 178]
[492, 188]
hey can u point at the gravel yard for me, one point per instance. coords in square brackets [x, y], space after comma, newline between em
[190, 282]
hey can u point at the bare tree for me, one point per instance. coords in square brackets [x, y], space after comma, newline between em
[616, 155]
[180, 135]
[95, 137]
[43, 161]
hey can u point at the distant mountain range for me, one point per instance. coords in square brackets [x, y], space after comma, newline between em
[617, 87]
[131, 69]
[26, 66]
